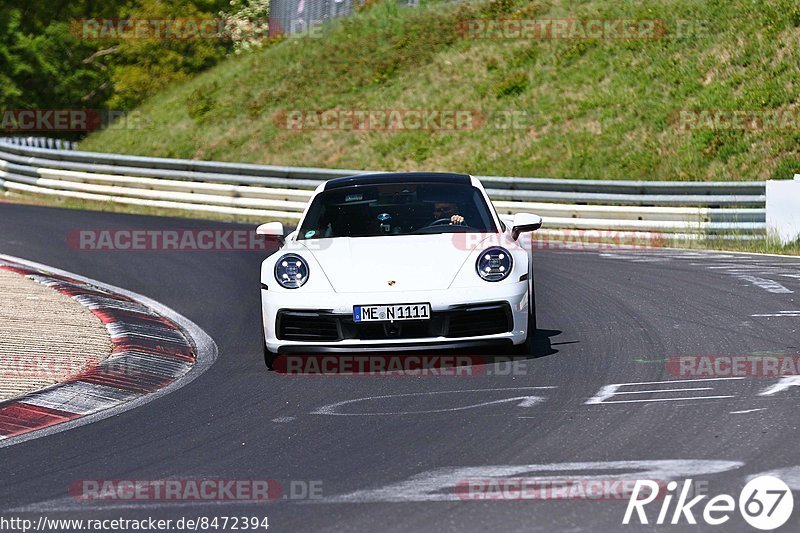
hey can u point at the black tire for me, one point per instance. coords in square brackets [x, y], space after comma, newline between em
[532, 311]
[526, 348]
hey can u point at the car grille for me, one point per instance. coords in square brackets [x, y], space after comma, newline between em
[463, 321]
[405, 329]
[307, 326]
[475, 320]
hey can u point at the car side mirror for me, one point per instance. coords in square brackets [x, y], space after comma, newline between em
[271, 229]
[524, 222]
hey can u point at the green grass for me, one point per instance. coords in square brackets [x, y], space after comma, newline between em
[589, 108]
[761, 246]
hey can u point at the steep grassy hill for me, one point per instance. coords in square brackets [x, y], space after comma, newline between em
[577, 108]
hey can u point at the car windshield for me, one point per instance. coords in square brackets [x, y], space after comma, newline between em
[396, 209]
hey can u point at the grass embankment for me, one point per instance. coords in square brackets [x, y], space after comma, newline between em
[585, 108]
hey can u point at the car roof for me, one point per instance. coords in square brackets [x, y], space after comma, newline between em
[398, 177]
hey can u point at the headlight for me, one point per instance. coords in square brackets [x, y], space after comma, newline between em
[291, 271]
[494, 264]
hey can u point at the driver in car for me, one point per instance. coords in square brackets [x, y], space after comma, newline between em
[447, 210]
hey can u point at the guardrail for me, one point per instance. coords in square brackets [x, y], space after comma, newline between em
[42, 142]
[698, 208]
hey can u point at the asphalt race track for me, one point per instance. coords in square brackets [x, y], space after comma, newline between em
[389, 461]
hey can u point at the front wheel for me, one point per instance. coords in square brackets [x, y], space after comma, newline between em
[531, 311]
[526, 348]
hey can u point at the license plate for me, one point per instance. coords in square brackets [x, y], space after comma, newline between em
[388, 313]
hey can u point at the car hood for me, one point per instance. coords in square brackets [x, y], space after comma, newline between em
[412, 262]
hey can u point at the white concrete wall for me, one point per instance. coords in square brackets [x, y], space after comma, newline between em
[783, 209]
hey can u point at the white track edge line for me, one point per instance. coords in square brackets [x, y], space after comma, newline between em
[205, 347]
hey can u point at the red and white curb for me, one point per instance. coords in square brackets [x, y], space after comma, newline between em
[155, 351]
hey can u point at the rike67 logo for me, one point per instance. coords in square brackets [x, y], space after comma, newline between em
[765, 503]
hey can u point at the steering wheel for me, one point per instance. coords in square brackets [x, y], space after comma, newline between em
[440, 222]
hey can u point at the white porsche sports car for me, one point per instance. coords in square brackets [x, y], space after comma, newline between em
[405, 261]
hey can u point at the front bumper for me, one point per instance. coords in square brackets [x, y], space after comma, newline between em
[339, 335]
[473, 344]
